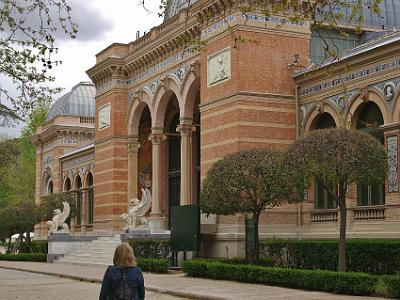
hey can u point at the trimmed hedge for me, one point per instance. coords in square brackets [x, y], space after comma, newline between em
[160, 265]
[148, 248]
[392, 286]
[36, 246]
[264, 262]
[361, 255]
[317, 280]
[40, 257]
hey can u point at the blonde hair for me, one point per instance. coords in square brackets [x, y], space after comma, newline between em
[124, 257]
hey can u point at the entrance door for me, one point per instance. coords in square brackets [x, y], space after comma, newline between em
[174, 166]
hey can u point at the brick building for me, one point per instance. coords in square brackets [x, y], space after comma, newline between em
[165, 111]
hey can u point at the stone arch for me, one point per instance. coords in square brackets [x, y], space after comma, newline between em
[47, 179]
[316, 111]
[362, 98]
[136, 110]
[396, 106]
[167, 88]
[189, 91]
[77, 184]
[67, 184]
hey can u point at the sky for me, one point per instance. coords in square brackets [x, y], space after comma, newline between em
[101, 23]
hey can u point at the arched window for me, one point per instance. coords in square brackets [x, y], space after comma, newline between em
[67, 185]
[89, 184]
[78, 188]
[322, 199]
[50, 188]
[324, 121]
[370, 119]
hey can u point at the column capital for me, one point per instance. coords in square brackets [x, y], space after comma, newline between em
[133, 146]
[186, 127]
[157, 136]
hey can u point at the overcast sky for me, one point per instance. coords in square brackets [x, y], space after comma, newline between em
[101, 23]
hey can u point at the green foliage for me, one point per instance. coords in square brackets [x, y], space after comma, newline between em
[392, 286]
[35, 246]
[361, 255]
[317, 280]
[39, 257]
[148, 248]
[26, 47]
[248, 181]
[338, 158]
[157, 265]
[267, 261]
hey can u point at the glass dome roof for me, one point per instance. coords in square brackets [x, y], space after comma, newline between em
[174, 6]
[78, 102]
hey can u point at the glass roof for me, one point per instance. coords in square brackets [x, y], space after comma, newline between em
[78, 102]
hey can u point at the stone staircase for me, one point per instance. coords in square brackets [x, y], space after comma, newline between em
[97, 252]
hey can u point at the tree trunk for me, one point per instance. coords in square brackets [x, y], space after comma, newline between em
[252, 254]
[342, 238]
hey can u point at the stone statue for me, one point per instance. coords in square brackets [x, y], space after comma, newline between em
[135, 217]
[57, 224]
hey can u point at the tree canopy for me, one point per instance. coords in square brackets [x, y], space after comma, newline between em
[27, 37]
[338, 158]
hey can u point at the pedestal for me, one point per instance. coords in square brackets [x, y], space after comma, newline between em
[157, 224]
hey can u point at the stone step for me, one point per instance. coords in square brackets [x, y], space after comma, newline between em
[97, 252]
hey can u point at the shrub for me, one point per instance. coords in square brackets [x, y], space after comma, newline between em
[36, 246]
[160, 265]
[318, 280]
[265, 261]
[392, 285]
[40, 257]
[361, 255]
[148, 248]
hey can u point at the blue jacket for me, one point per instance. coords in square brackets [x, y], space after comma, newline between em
[113, 276]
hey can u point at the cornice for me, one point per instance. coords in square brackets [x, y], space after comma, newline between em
[57, 130]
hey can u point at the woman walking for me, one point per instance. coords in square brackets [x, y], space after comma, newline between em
[124, 280]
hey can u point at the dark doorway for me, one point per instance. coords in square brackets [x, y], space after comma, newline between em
[174, 165]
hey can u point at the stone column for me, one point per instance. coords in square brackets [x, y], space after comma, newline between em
[186, 128]
[84, 209]
[157, 220]
[133, 150]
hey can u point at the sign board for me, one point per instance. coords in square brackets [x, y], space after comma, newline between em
[251, 238]
[185, 228]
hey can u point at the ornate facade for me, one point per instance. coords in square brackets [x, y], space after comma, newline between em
[166, 111]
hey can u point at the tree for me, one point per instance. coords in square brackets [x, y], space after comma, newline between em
[248, 182]
[27, 37]
[338, 158]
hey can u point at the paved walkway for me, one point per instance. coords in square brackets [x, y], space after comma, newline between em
[180, 285]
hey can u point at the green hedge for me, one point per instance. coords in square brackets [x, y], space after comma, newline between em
[265, 261]
[361, 255]
[41, 257]
[36, 246]
[148, 248]
[160, 265]
[392, 286]
[317, 280]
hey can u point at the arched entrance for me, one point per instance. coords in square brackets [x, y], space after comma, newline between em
[369, 118]
[174, 154]
[78, 188]
[90, 198]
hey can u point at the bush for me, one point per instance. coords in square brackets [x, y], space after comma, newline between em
[148, 248]
[36, 246]
[361, 255]
[392, 286]
[317, 280]
[40, 257]
[265, 261]
[160, 265]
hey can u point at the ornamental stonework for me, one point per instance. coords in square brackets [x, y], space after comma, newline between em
[219, 67]
[392, 161]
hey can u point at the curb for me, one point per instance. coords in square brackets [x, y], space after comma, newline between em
[151, 288]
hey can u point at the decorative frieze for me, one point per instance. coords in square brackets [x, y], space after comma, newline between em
[341, 101]
[104, 116]
[357, 75]
[77, 162]
[392, 161]
[219, 67]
